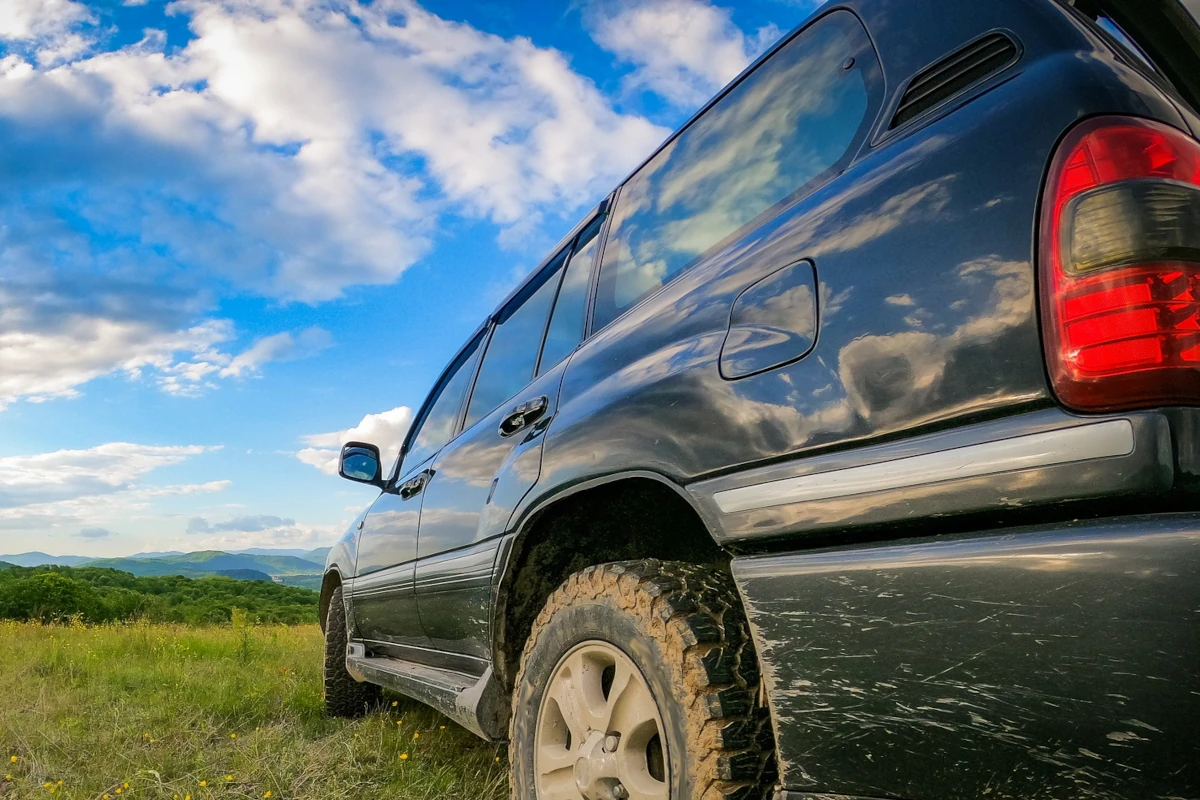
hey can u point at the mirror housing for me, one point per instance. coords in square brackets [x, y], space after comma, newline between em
[360, 462]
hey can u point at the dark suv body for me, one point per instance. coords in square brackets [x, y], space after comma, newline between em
[901, 332]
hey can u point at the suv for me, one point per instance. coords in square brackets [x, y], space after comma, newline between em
[850, 447]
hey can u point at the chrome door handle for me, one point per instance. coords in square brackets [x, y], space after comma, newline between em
[413, 486]
[524, 415]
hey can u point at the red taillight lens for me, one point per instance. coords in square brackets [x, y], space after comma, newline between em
[1120, 266]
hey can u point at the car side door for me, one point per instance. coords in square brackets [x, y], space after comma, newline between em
[382, 593]
[479, 478]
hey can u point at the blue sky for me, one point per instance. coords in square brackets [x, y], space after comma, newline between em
[234, 233]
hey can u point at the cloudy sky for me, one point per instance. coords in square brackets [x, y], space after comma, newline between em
[233, 232]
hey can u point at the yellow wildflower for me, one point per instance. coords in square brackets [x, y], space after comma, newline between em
[404, 756]
[204, 783]
[53, 789]
[47, 785]
[228, 777]
[441, 727]
[106, 797]
[119, 790]
[233, 736]
[126, 784]
[13, 759]
[416, 736]
[267, 794]
[60, 783]
[395, 703]
[399, 722]
[8, 777]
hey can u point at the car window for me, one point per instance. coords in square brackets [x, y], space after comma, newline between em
[513, 349]
[570, 309]
[787, 124]
[437, 426]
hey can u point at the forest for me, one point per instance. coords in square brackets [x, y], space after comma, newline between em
[98, 595]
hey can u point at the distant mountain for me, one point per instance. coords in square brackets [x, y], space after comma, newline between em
[210, 562]
[163, 554]
[245, 575]
[316, 556]
[42, 559]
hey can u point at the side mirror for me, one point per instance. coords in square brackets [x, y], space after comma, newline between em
[359, 462]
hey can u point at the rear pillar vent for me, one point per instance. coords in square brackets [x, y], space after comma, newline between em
[955, 74]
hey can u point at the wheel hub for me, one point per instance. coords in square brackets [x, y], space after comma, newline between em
[596, 770]
[599, 731]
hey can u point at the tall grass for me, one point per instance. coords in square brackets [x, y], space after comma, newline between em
[163, 711]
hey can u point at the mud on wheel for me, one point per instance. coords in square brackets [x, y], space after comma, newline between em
[344, 696]
[639, 681]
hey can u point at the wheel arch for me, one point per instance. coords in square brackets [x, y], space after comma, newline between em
[542, 555]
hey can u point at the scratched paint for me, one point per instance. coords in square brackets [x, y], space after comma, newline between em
[1058, 663]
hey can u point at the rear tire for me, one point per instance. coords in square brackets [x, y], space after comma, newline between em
[683, 628]
[344, 696]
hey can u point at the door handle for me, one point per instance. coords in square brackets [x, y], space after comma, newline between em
[413, 486]
[524, 415]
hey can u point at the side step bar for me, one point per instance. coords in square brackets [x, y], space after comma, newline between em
[479, 704]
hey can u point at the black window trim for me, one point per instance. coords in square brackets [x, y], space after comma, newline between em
[602, 218]
[478, 338]
[527, 289]
[862, 141]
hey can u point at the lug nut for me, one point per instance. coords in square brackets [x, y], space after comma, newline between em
[620, 792]
[610, 743]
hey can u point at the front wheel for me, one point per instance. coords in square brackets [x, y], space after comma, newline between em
[344, 696]
[639, 682]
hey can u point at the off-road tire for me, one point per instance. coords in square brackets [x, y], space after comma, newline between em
[344, 696]
[684, 627]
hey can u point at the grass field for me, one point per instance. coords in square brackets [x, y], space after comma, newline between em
[159, 711]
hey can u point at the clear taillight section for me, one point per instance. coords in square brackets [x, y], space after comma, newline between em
[1120, 266]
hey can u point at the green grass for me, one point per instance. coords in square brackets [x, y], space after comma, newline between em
[158, 707]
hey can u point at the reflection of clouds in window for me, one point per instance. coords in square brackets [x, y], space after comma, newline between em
[438, 425]
[782, 127]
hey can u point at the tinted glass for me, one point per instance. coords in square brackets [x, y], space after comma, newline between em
[566, 324]
[438, 425]
[513, 350]
[782, 128]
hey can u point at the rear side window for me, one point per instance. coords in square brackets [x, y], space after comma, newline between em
[437, 425]
[783, 130]
[570, 310]
[513, 350]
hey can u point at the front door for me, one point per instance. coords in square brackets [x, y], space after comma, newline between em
[382, 593]
[479, 478]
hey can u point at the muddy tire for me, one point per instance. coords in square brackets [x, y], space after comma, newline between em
[683, 628]
[344, 696]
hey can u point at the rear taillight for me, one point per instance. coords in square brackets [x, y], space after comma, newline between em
[1120, 266]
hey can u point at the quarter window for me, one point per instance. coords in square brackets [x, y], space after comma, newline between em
[513, 350]
[779, 132]
[566, 323]
[437, 426]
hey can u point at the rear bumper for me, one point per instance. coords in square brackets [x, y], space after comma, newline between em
[1049, 662]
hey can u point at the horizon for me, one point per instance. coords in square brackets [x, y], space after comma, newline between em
[237, 234]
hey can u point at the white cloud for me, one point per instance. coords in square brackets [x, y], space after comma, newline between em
[32, 19]
[386, 430]
[265, 150]
[291, 536]
[51, 350]
[684, 50]
[73, 474]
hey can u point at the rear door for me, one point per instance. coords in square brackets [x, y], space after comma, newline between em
[478, 478]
